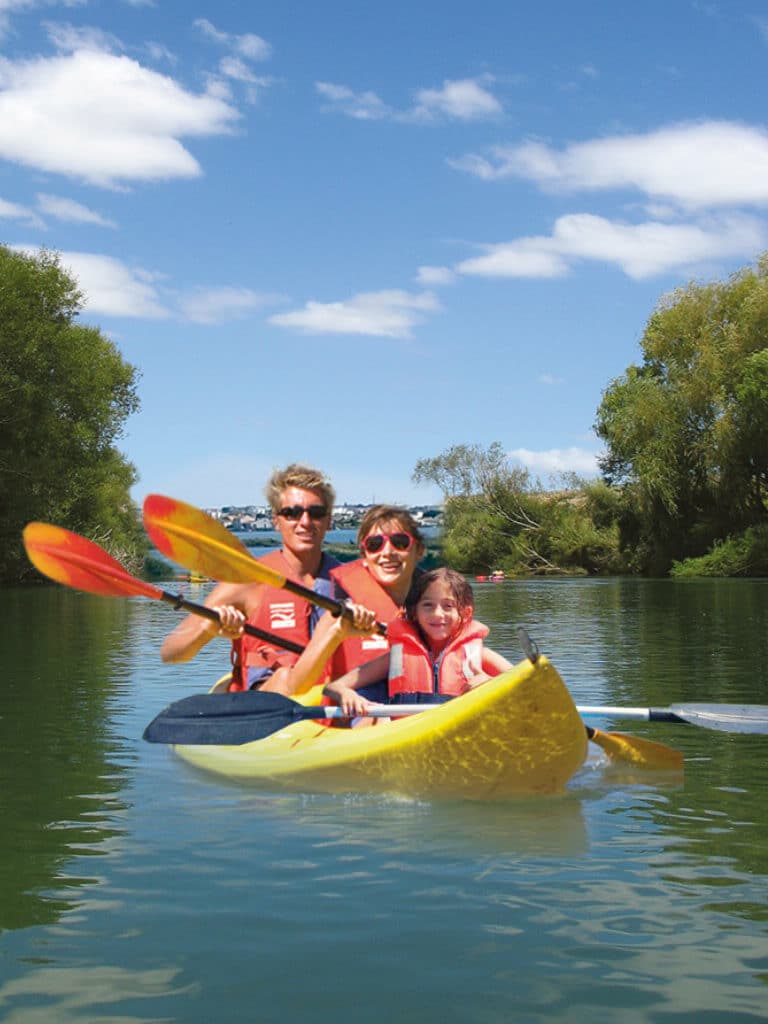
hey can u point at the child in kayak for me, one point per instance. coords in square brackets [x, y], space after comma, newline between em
[437, 650]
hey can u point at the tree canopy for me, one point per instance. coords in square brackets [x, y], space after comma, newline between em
[65, 394]
[686, 431]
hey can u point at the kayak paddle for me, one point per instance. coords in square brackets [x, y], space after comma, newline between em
[723, 717]
[192, 538]
[79, 563]
[231, 719]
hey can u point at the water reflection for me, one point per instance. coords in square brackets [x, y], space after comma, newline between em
[61, 787]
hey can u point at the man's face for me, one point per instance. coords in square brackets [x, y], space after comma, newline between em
[301, 526]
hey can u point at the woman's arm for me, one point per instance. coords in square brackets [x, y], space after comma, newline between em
[329, 634]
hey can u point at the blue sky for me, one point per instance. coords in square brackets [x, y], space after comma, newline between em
[356, 234]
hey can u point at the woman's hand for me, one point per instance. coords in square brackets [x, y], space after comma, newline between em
[361, 623]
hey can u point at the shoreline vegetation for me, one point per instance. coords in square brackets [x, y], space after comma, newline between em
[683, 486]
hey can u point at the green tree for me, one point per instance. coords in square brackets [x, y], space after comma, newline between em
[65, 393]
[686, 430]
[497, 517]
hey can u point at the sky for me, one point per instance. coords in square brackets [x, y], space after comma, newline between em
[355, 234]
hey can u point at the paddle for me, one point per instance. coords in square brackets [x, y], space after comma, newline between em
[231, 719]
[79, 563]
[748, 718]
[192, 538]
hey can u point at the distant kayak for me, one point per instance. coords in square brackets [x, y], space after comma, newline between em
[516, 735]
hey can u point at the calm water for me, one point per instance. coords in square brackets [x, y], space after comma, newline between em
[133, 889]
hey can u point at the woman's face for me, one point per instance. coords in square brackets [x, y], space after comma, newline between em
[392, 565]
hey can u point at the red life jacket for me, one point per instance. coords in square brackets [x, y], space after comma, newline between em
[412, 669]
[362, 588]
[276, 611]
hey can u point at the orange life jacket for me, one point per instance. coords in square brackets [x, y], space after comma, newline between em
[412, 670]
[279, 612]
[358, 584]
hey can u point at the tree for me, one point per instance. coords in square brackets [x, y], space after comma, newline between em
[65, 394]
[497, 517]
[687, 430]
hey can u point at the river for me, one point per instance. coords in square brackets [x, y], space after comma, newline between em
[134, 889]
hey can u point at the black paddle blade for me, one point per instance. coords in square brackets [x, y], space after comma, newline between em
[227, 719]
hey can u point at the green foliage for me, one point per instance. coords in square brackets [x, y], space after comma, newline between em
[687, 430]
[742, 555]
[65, 393]
[497, 517]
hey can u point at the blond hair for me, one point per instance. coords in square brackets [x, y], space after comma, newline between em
[306, 478]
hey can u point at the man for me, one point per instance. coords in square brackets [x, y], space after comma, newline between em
[302, 500]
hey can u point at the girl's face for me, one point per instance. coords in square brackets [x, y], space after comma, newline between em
[392, 565]
[438, 614]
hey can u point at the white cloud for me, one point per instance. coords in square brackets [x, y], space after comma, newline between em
[15, 211]
[112, 288]
[465, 99]
[386, 314]
[364, 106]
[215, 305]
[71, 211]
[68, 38]
[251, 46]
[103, 118]
[435, 276]
[557, 460]
[713, 163]
[641, 250]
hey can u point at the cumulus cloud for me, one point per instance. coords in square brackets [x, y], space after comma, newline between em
[215, 305]
[384, 314]
[112, 288]
[556, 461]
[641, 250]
[103, 118]
[465, 99]
[71, 211]
[708, 164]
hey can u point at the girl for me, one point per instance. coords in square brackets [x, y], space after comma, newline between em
[436, 651]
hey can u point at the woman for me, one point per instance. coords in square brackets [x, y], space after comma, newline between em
[377, 585]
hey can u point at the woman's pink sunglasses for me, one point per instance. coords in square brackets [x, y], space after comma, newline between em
[400, 541]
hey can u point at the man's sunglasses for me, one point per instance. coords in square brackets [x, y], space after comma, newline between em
[295, 512]
[376, 541]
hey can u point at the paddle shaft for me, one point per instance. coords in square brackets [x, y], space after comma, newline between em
[178, 602]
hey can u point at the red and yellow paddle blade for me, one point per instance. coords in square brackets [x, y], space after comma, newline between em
[76, 562]
[192, 538]
[641, 753]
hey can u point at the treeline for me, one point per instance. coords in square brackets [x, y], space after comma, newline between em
[685, 471]
[684, 475]
[65, 394]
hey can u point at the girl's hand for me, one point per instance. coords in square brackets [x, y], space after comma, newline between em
[352, 703]
[231, 621]
[475, 681]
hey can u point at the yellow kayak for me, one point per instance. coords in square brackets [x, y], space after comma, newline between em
[516, 735]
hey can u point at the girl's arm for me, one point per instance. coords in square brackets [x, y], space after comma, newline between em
[493, 665]
[343, 690]
[330, 632]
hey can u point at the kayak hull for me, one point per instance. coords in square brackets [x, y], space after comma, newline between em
[517, 735]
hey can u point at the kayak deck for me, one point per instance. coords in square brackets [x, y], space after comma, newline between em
[516, 735]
